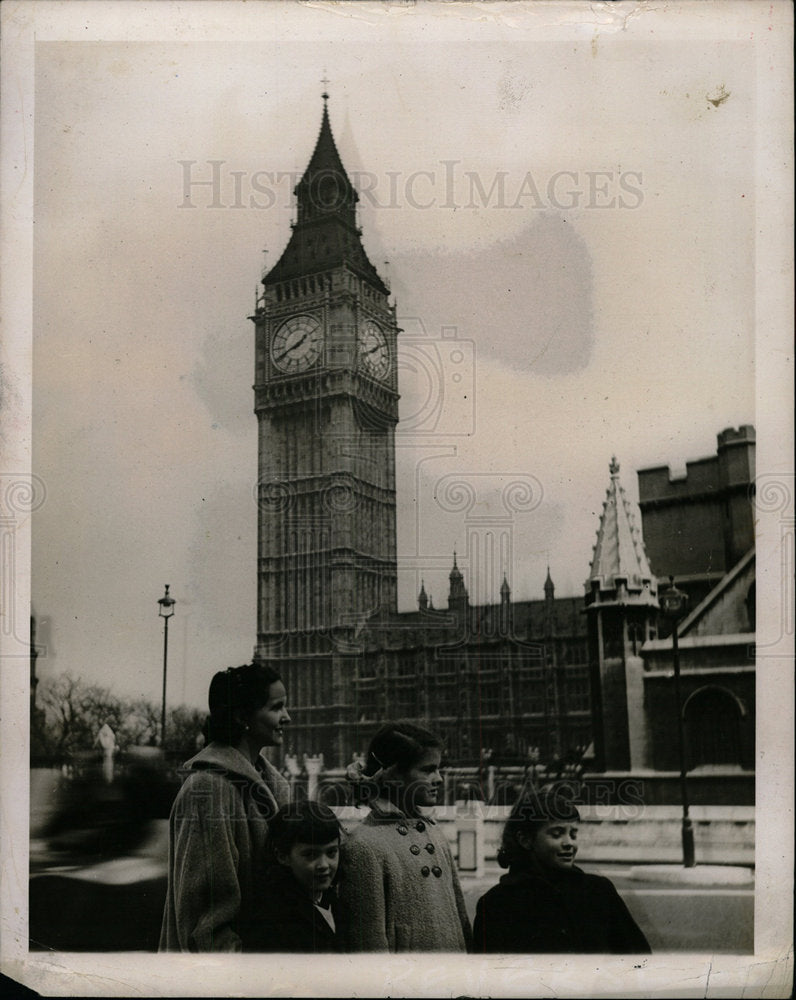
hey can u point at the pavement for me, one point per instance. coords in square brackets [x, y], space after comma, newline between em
[705, 876]
[699, 875]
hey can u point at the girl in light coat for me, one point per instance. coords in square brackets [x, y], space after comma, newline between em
[401, 890]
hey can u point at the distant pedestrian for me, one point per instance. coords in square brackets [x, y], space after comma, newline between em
[545, 904]
[219, 820]
[401, 890]
[296, 908]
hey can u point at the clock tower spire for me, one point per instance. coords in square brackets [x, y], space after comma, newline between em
[326, 399]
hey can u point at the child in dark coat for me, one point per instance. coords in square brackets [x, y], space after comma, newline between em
[545, 904]
[297, 906]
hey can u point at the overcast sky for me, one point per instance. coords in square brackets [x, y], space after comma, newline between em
[576, 208]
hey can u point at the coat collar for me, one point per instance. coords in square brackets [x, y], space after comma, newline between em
[220, 756]
[383, 811]
[531, 877]
[280, 880]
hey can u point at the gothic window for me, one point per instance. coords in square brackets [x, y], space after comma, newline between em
[403, 687]
[635, 633]
[366, 700]
[489, 695]
[445, 698]
[751, 607]
[531, 701]
[612, 639]
[578, 693]
[713, 727]
[406, 666]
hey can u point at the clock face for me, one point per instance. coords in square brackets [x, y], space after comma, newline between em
[374, 353]
[297, 344]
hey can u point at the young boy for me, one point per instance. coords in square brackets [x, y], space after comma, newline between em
[297, 908]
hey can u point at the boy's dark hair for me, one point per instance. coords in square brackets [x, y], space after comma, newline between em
[234, 694]
[301, 823]
[534, 809]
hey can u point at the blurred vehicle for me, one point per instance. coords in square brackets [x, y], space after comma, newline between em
[98, 867]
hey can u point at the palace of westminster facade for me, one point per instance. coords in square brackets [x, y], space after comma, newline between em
[511, 680]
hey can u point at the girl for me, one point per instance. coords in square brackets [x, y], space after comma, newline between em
[297, 910]
[545, 903]
[219, 819]
[401, 890]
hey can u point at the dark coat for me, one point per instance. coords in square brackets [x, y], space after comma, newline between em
[285, 919]
[572, 912]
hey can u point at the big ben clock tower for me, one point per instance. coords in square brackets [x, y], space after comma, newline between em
[326, 399]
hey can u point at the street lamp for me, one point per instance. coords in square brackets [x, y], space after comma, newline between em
[165, 611]
[673, 604]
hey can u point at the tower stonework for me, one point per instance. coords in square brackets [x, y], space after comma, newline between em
[326, 400]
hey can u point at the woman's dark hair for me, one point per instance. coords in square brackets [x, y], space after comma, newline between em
[397, 744]
[534, 809]
[301, 823]
[234, 694]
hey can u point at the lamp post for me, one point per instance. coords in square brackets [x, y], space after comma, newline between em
[673, 604]
[165, 611]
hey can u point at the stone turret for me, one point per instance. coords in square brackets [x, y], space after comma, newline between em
[621, 600]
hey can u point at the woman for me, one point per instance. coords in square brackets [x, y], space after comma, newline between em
[546, 904]
[219, 820]
[401, 891]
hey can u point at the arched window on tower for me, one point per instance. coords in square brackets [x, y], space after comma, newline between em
[635, 632]
[751, 606]
[713, 727]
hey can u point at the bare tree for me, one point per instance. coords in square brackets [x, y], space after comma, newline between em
[70, 713]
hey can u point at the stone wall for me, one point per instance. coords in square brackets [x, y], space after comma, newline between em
[723, 835]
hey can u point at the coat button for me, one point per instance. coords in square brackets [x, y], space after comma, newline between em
[424, 871]
[402, 830]
[437, 871]
[430, 848]
[420, 825]
[414, 849]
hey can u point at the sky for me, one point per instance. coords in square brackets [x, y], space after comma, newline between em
[569, 223]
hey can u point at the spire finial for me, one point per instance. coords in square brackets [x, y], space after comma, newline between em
[614, 467]
[325, 82]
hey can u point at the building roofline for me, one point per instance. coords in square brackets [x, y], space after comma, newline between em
[712, 596]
